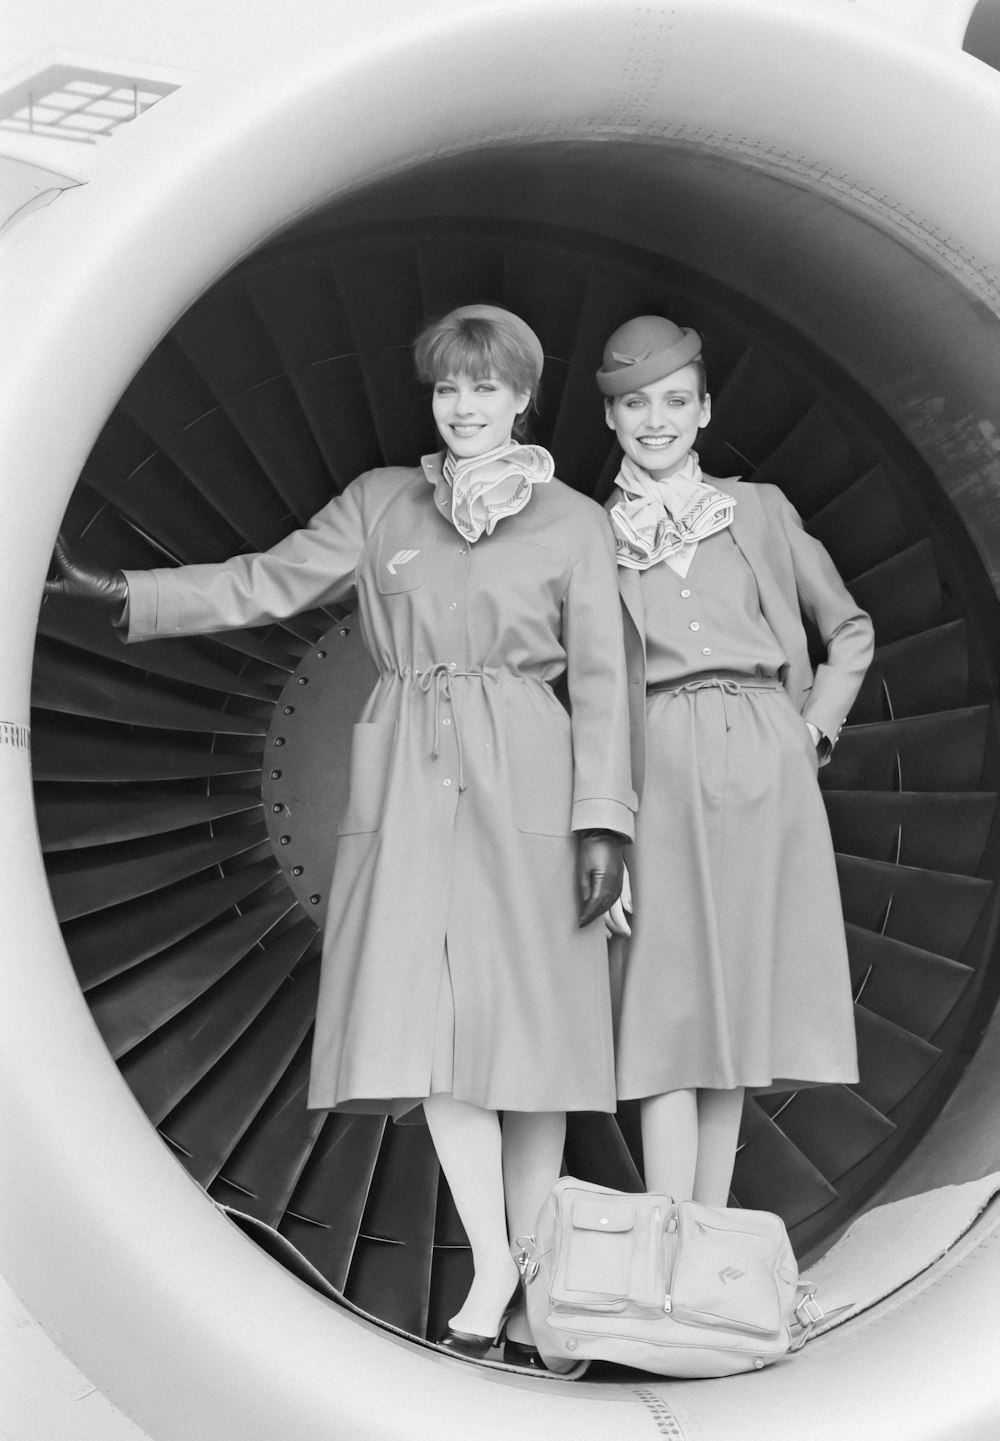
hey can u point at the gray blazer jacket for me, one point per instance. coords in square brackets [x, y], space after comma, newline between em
[795, 576]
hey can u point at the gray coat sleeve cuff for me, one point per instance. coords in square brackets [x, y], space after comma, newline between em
[598, 814]
[138, 621]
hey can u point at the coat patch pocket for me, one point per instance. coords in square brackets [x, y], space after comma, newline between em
[400, 566]
[540, 763]
[371, 755]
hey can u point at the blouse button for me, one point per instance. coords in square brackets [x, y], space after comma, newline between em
[706, 650]
[685, 594]
[695, 625]
[446, 721]
[453, 665]
[447, 783]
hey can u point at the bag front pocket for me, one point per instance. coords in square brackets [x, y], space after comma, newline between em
[726, 1271]
[610, 1253]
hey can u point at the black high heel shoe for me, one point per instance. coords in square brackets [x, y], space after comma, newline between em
[467, 1343]
[470, 1344]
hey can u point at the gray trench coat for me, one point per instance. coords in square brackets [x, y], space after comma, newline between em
[456, 857]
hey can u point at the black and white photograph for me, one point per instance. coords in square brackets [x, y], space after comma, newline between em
[500, 720]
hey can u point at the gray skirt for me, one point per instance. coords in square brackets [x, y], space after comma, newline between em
[737, 971]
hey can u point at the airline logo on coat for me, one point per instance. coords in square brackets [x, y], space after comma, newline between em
[402, 557]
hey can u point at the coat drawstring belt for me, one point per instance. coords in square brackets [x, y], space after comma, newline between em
[440, 676]
[728, 683]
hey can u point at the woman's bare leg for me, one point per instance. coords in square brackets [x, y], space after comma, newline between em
[670, 1142]
[467, 1141]
[533, 1143]
[719, 1115]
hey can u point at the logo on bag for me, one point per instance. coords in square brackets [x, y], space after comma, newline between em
[730, 1273]
[402, 557]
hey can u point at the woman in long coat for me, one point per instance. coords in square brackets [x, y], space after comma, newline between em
[464, 964]
[737, 971]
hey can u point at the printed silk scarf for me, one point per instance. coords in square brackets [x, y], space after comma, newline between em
[489, 487]
[665, 519]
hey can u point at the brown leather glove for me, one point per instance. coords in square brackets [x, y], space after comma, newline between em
[600, 869]
[85, 582]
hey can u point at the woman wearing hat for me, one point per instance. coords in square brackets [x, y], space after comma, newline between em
[737, 971]
[464, 965]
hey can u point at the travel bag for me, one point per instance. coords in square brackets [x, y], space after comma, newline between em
[679, 1289]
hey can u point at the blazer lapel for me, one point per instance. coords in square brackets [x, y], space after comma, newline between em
[634, 627]
[751, 533]
[631, 594]
[750, 536]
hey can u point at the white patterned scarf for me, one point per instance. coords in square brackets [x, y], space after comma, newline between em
[665, 519]
[489, 487]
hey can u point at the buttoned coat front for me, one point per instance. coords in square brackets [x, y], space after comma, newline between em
[456, 857]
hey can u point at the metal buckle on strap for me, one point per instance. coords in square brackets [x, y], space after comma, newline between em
[527, 1267]
[808, 1313]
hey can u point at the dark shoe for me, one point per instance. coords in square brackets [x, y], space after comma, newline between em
[473, 1346]
[467, 1344]
[520, 1353]
[528, 1358]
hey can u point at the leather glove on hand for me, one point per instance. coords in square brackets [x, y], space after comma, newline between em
[86, 582]
[599, 872]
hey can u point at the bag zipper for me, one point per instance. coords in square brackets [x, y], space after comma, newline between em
[669, 1230]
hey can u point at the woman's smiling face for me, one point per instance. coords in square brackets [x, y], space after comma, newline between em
[658, 424]
[475, 416]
